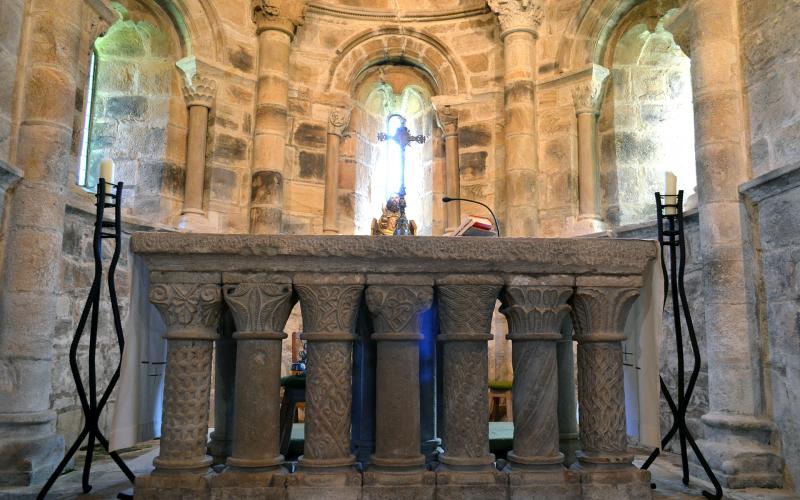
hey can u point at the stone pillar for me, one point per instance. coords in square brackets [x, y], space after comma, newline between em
[600, 307]
[449, 120]
[535, 309]
[588, 98]
[520, 21]
[567, 395]
[260, 311]
[191, 307]
[330, 305]
[398, 466]
[29, 446]
[337, 123]
[200, 97]
[219, 446]
[466, 304]
[276, 22]
[738, 431]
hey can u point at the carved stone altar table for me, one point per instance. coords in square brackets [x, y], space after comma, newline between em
[395, 281]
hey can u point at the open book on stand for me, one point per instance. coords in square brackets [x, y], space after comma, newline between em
[473, 225]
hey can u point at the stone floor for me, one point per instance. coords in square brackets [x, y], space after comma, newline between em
[108, 481]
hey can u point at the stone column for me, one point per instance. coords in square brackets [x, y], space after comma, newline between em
[738, 431]
[337, 123]
[449, 120]
[29, 446]
[588, 97]
[219, 446]
[520, 21]
[200, 97]
[600, 307]
[276, 22]
[466, 304]
[330, 305]
[535, 309]
[191, 308]
[260, 311]
[396, 304]
[567, 395]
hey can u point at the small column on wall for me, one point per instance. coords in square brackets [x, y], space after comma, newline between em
[588, 97]
[337, 123]
[276, 22]
[448, 118]
[520, 21]
[200, 94]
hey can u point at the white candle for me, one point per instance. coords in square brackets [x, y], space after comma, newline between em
[671, 193]
[107, 170]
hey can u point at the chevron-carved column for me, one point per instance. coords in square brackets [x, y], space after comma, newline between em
[600, 307]
[260, 311]
[192, 314]
[330, 305]
[466, 304]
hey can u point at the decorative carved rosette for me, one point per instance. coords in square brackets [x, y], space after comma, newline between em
[588, 96]
[190, 311]
[518, 15]
[260, 307]
[280, 15]
[396, 309]
[202, 92]
[338, 121]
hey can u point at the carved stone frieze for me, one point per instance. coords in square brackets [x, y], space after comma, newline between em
[518, 15]
[599, 313]
[260, 307]
[588, 96]
[281, 15]
[188, 308]
[338, 121]
[534, 309]
[201, 92]
[397, 308]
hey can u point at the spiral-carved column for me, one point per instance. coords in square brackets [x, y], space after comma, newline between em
[260, 311]
[330, 306]
[466, 304]
[535, 310]
[396, 304]
[192, 314]
[600, 307]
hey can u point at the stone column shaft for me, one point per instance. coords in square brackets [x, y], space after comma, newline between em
[276, 22]
[466, 304]
[192, 313]
[396, 306]
[29, 447]
[199, 98]
[330, 305]
[338, 122]
[452, 172]
[260, 311]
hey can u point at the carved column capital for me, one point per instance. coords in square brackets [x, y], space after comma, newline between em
[535, 311]
[396, 310]
[448, 119]
[466, 306]
[338, 121]
[278, 15]
[329, 304]
[201, 92]
[518, 15]
[588, 96]
[599, 312]
[191, 311]
[260, 308]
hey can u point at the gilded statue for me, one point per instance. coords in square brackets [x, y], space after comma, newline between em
[387, 224]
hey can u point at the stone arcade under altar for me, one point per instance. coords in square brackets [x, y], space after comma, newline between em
[395, 280]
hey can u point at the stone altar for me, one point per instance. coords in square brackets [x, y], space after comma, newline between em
[539, 282]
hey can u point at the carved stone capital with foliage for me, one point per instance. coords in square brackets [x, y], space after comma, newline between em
[201, 92]
[191, 311]
[518, 15]
[599, 313]
[535, 311]
[338, 121]
[448, 118]
[588, 95]
[260, 307]
[396, 309]
[279, 15]
[329, 307]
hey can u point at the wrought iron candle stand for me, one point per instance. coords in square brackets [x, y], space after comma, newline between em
[91, 405]
[673, 241]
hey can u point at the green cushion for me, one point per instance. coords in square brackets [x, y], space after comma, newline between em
[501, 385]
[294, 382]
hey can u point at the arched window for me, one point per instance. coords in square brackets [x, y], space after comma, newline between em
[647, 123]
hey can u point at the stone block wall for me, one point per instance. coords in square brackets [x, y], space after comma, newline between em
[10, 33]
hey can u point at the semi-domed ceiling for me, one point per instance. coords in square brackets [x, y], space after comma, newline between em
[405, 6]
